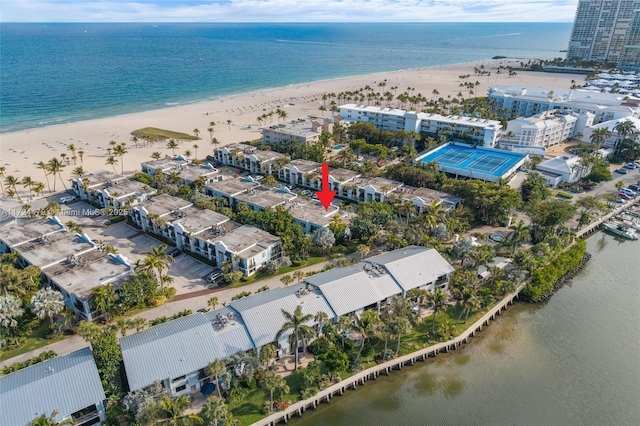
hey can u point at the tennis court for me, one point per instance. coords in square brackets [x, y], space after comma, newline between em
[482, 163]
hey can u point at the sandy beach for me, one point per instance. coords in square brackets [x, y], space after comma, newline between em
[19, 151]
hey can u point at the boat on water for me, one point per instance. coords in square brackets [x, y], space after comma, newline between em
[620, 230]
[630, 221]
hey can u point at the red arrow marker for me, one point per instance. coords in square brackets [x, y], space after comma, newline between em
[326, 195]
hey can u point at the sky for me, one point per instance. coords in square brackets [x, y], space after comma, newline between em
[287, 10]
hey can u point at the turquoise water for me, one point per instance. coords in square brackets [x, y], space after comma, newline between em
[465, 158]
[571, 361]
[56, 73]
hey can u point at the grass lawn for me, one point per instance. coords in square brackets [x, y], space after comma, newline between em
[263, 275]
[155, 134]
[38, 339]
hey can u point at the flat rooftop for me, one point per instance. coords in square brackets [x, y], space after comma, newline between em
[304, 166]
[53, 248]
[126, 188]
[164, 163]
[87, 271]
[244, 237]
[559, 95]
[343, 175]
[375, 109]
[192, 172]
[195, 220]
[378, 183]
[427, 195]
[102, 176]
[231, 187]
[266, 156]
[311, 211]
[20, 231]
[163, 204]
[264, 197]
[299, 127]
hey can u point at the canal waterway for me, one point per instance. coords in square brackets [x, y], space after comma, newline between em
[574, 360]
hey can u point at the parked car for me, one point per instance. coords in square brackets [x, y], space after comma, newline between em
[629, 192]
[630, 166]
[215, 277]
[67, 199]
[634, 187]
[624, 196]
[621, 171]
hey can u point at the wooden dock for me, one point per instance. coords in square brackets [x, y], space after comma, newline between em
[594, 226]
[372, 373]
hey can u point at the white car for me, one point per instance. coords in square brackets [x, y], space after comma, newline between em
[67, 199]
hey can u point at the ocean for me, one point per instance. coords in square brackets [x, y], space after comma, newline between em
[572, 360]
[59, 73]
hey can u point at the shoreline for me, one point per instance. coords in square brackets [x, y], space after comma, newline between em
[168, 104]
[235, 117]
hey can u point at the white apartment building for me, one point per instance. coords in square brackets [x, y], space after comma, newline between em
[606, 30]
[472, 129]
[612, 140]
[542, 130]
[249, 158]
[306, 130]
[529, 101]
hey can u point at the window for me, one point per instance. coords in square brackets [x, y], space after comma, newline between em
[181, 388]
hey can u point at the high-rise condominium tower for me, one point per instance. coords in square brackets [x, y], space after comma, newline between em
[607, 30]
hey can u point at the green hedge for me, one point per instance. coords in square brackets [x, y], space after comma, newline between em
[564, 195]
[544, 279]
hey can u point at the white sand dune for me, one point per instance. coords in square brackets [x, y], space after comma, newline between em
[20, 150]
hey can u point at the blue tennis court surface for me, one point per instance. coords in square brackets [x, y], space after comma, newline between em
[483, 163]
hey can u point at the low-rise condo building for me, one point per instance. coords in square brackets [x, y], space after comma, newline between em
[311, 215]
[305, 130]
[123, 193]
[474, 130]
[611, 125]
[250, 158]
[542, 130]
[424, 198]
[87, 186]
[529, 101]
[163, 164]
[299, 172]
[566, 168]
[365, 189]
[176, 353]
[68, 385]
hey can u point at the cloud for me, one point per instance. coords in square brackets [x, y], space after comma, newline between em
[288, 11]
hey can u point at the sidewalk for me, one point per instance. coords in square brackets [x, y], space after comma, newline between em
[74, 343]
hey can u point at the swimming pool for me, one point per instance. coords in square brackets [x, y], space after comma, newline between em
[481, 163]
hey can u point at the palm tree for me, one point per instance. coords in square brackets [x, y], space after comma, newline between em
[214, 141]
[38, 187]
[215, 411]
[120, 151]
[11, 182]
[169, 412]
[55, 167]
[195, 148]
[296, 323]
[216, 369]
[213, 302]
[156, 155]
[271, 381]
[229, 123]
[196, 133]
[138, 323]
[3, 169]
[267, 353]
[78, 171]
[368, 325]
[45, 169]
[625, 129]
[362, 250]
[47, 302]
[27, 182]
[103, 298]
[520, 233]
[438, 301]
[10, 309]
[172, 145]
[45, 420]
[299, 275]
[320, 318]
[286, 279]
[469, 302]
[112, 161]
[344, 156]
[600, 136]
[157, 259]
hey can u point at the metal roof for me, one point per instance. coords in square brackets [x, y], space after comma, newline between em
[181, 346]
[354, 287]
[67, 383]
[262, 312]
[413, 266]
